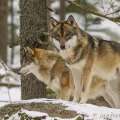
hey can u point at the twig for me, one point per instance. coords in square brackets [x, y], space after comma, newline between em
[50, 9]
[11, 85]
[4, 101]
[113, 12]
[15, 43]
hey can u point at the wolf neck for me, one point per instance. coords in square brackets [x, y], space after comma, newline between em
[73, 54]
[79, 51]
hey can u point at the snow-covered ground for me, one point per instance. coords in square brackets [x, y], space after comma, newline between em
[90, 112]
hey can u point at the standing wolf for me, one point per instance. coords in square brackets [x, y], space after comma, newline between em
[85, 55]
[49, 68]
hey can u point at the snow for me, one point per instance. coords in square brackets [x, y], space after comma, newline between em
[35, 114]
[91, 112]
[30, 114]
[111, 25]
[15, 95]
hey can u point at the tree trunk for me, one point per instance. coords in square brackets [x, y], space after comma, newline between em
[33, 19]
[62, 10]
[3, 29]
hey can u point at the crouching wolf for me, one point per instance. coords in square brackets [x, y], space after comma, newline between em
[85, 55]
[49, 68]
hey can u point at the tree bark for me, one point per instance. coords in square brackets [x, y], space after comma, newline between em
[62, 10]
[3, 29]
[33, 19]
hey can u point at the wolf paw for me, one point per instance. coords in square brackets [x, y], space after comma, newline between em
[76, 99]
[83, 101]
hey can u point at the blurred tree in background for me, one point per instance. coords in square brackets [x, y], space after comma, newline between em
[62, 10]
[3, 29]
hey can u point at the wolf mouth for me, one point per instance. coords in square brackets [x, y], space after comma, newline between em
[23, 74]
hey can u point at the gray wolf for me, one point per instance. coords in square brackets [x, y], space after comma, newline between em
[49, 68]
[85, 55]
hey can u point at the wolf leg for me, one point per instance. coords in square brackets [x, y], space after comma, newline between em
[65, 93]
[76, 78]
[86, 79]
[86, 82]
[65, 86]
[108, 96]
[57, 96]
[113, 98]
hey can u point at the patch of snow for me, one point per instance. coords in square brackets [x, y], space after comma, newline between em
[31, 114]
[15, 95]
[111, 25]
[91, 112]
[34, 114]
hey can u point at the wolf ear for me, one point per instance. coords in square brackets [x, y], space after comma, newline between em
[29, 50]
[71, 21]
[53, 23]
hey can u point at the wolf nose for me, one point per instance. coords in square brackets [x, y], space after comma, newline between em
[62, 47]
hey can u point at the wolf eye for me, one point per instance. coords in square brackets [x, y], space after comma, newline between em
[57, 36]
[67, 35]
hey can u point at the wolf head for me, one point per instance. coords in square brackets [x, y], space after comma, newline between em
[29, 62]
[64, 34]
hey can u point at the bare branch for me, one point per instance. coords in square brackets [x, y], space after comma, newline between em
[113, 12]
[51, 10]
[4, 101]
[86, 9]
[10, 85]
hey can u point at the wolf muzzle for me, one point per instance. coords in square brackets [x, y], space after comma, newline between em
[62, 47]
